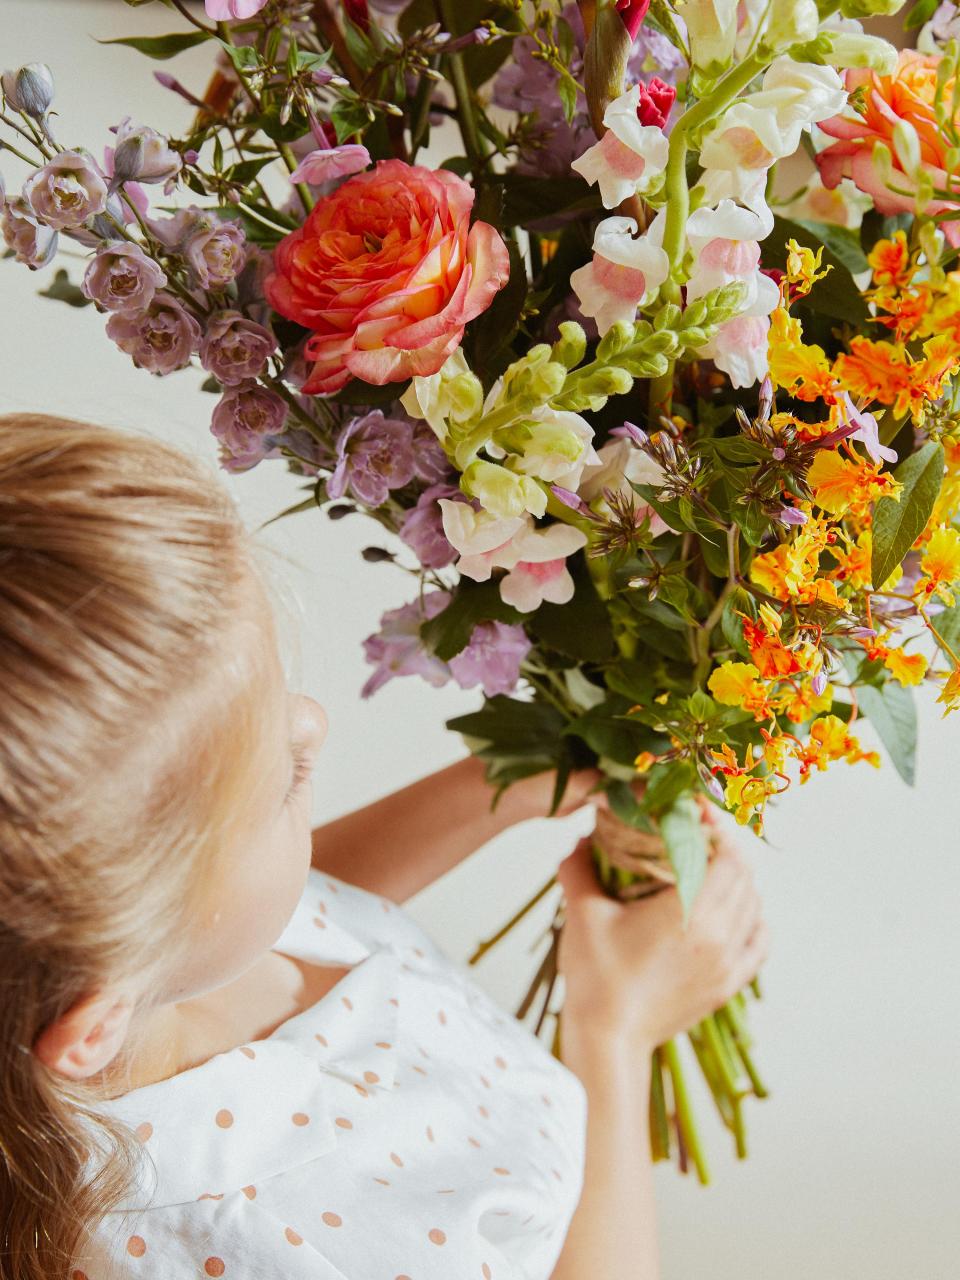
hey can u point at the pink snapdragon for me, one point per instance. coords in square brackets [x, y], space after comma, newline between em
[625, 271]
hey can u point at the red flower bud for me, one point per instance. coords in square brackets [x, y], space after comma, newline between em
[656, 100]
[633, 13]
[358, 13]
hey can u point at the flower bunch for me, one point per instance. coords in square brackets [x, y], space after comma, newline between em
[679, 478]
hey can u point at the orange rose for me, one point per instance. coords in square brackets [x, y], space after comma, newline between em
[386, 271]
[906, 95]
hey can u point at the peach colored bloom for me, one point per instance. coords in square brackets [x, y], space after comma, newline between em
[387, 271]
[907, 95]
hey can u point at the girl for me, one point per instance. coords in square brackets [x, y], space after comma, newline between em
[219, 1060]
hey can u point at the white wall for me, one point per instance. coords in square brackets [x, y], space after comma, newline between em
[854, 1172]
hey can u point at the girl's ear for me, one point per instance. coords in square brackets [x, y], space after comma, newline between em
[87, 1037]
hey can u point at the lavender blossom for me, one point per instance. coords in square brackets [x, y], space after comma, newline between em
[327, 163]
[422, 529]
[397, 649]
[215, 251]
[142, 155]
[492, 658]
[246, 421]
[235, 348]
[122, 278]
[374, 455]
[32, 243]
[160, 339]
[429, 459]
[67, 191]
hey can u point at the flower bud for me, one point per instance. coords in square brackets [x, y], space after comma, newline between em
[617, 338]
[570, 347]
[142, 155]
[712, 31]
[870, 8]
[501, 492]
[906, 144]
[849, 49]
[29, 89]
[790, 22]
[605, 63]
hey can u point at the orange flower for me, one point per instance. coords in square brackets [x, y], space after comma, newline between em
[907, 668]
[735, 684]
[830, 740]
[848, 486]
[802, 371]
[890, 261]
[386, 272]
[771, 657]
[908, 95]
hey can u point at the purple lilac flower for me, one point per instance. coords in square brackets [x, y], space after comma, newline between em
[867, 430]
[492, 658]
[215, 251]
[122, 278]
[142, 155]
[246, 421]
[374, 455]
[791, 516]
[397, 650]
[327, 163]
[67, 191]
[431, 463]
[422, 528]
[235, 348]
[160, 339]
[32, 243]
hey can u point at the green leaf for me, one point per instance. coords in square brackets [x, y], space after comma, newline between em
[244, 172]
[529, 198]
[666, 783]
[449, 632]
[358, 46]
[948, 626]
[244, 57]
[510, 727]
[921, 12]
[625, 805]
[581, 628]
[567, 91]
[349, 118]
[61, 289]
[606, 730]
[893, 714]
[492, 333]
[162, 47]
[897, 525]
[686, 842]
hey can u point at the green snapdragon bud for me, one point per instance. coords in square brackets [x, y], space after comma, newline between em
[848, 49]
[571, 346]
[501, 492]
[870, 8]
[617, 338]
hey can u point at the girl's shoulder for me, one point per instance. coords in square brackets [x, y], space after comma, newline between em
[344, 923]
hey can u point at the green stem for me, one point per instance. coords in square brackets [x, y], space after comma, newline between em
[472, 140]
[736, 1030]
[686, 1121]
[303, 191]
[659, 1120]
[718, 1050]
[678, 200]
[484, 947]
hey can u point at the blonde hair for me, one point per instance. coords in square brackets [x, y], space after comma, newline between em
[122, 565]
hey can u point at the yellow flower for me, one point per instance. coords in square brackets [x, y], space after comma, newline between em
[941, 563]
[736, 684]
[644, 761]
[802, 371]
[803, 267]
[831, 740]
[908, 668]
[844, 486]
[950, 693]
[800, 704]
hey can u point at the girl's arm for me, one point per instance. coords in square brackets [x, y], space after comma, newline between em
[402, 843]
[613, 1233]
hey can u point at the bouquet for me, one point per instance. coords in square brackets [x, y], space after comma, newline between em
[675, 462]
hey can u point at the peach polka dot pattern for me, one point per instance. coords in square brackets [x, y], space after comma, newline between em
[400, 1128]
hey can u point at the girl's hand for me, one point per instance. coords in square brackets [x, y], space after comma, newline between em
[631, 969]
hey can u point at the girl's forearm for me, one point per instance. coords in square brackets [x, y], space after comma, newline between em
[400, 844]
[613, 1233]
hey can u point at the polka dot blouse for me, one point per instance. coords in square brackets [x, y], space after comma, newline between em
[402, 1128]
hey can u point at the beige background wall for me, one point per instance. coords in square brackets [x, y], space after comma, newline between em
[854, 1171]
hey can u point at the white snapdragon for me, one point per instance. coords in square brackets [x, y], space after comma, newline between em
[766, 126]
[630, 158]
[626, 271]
